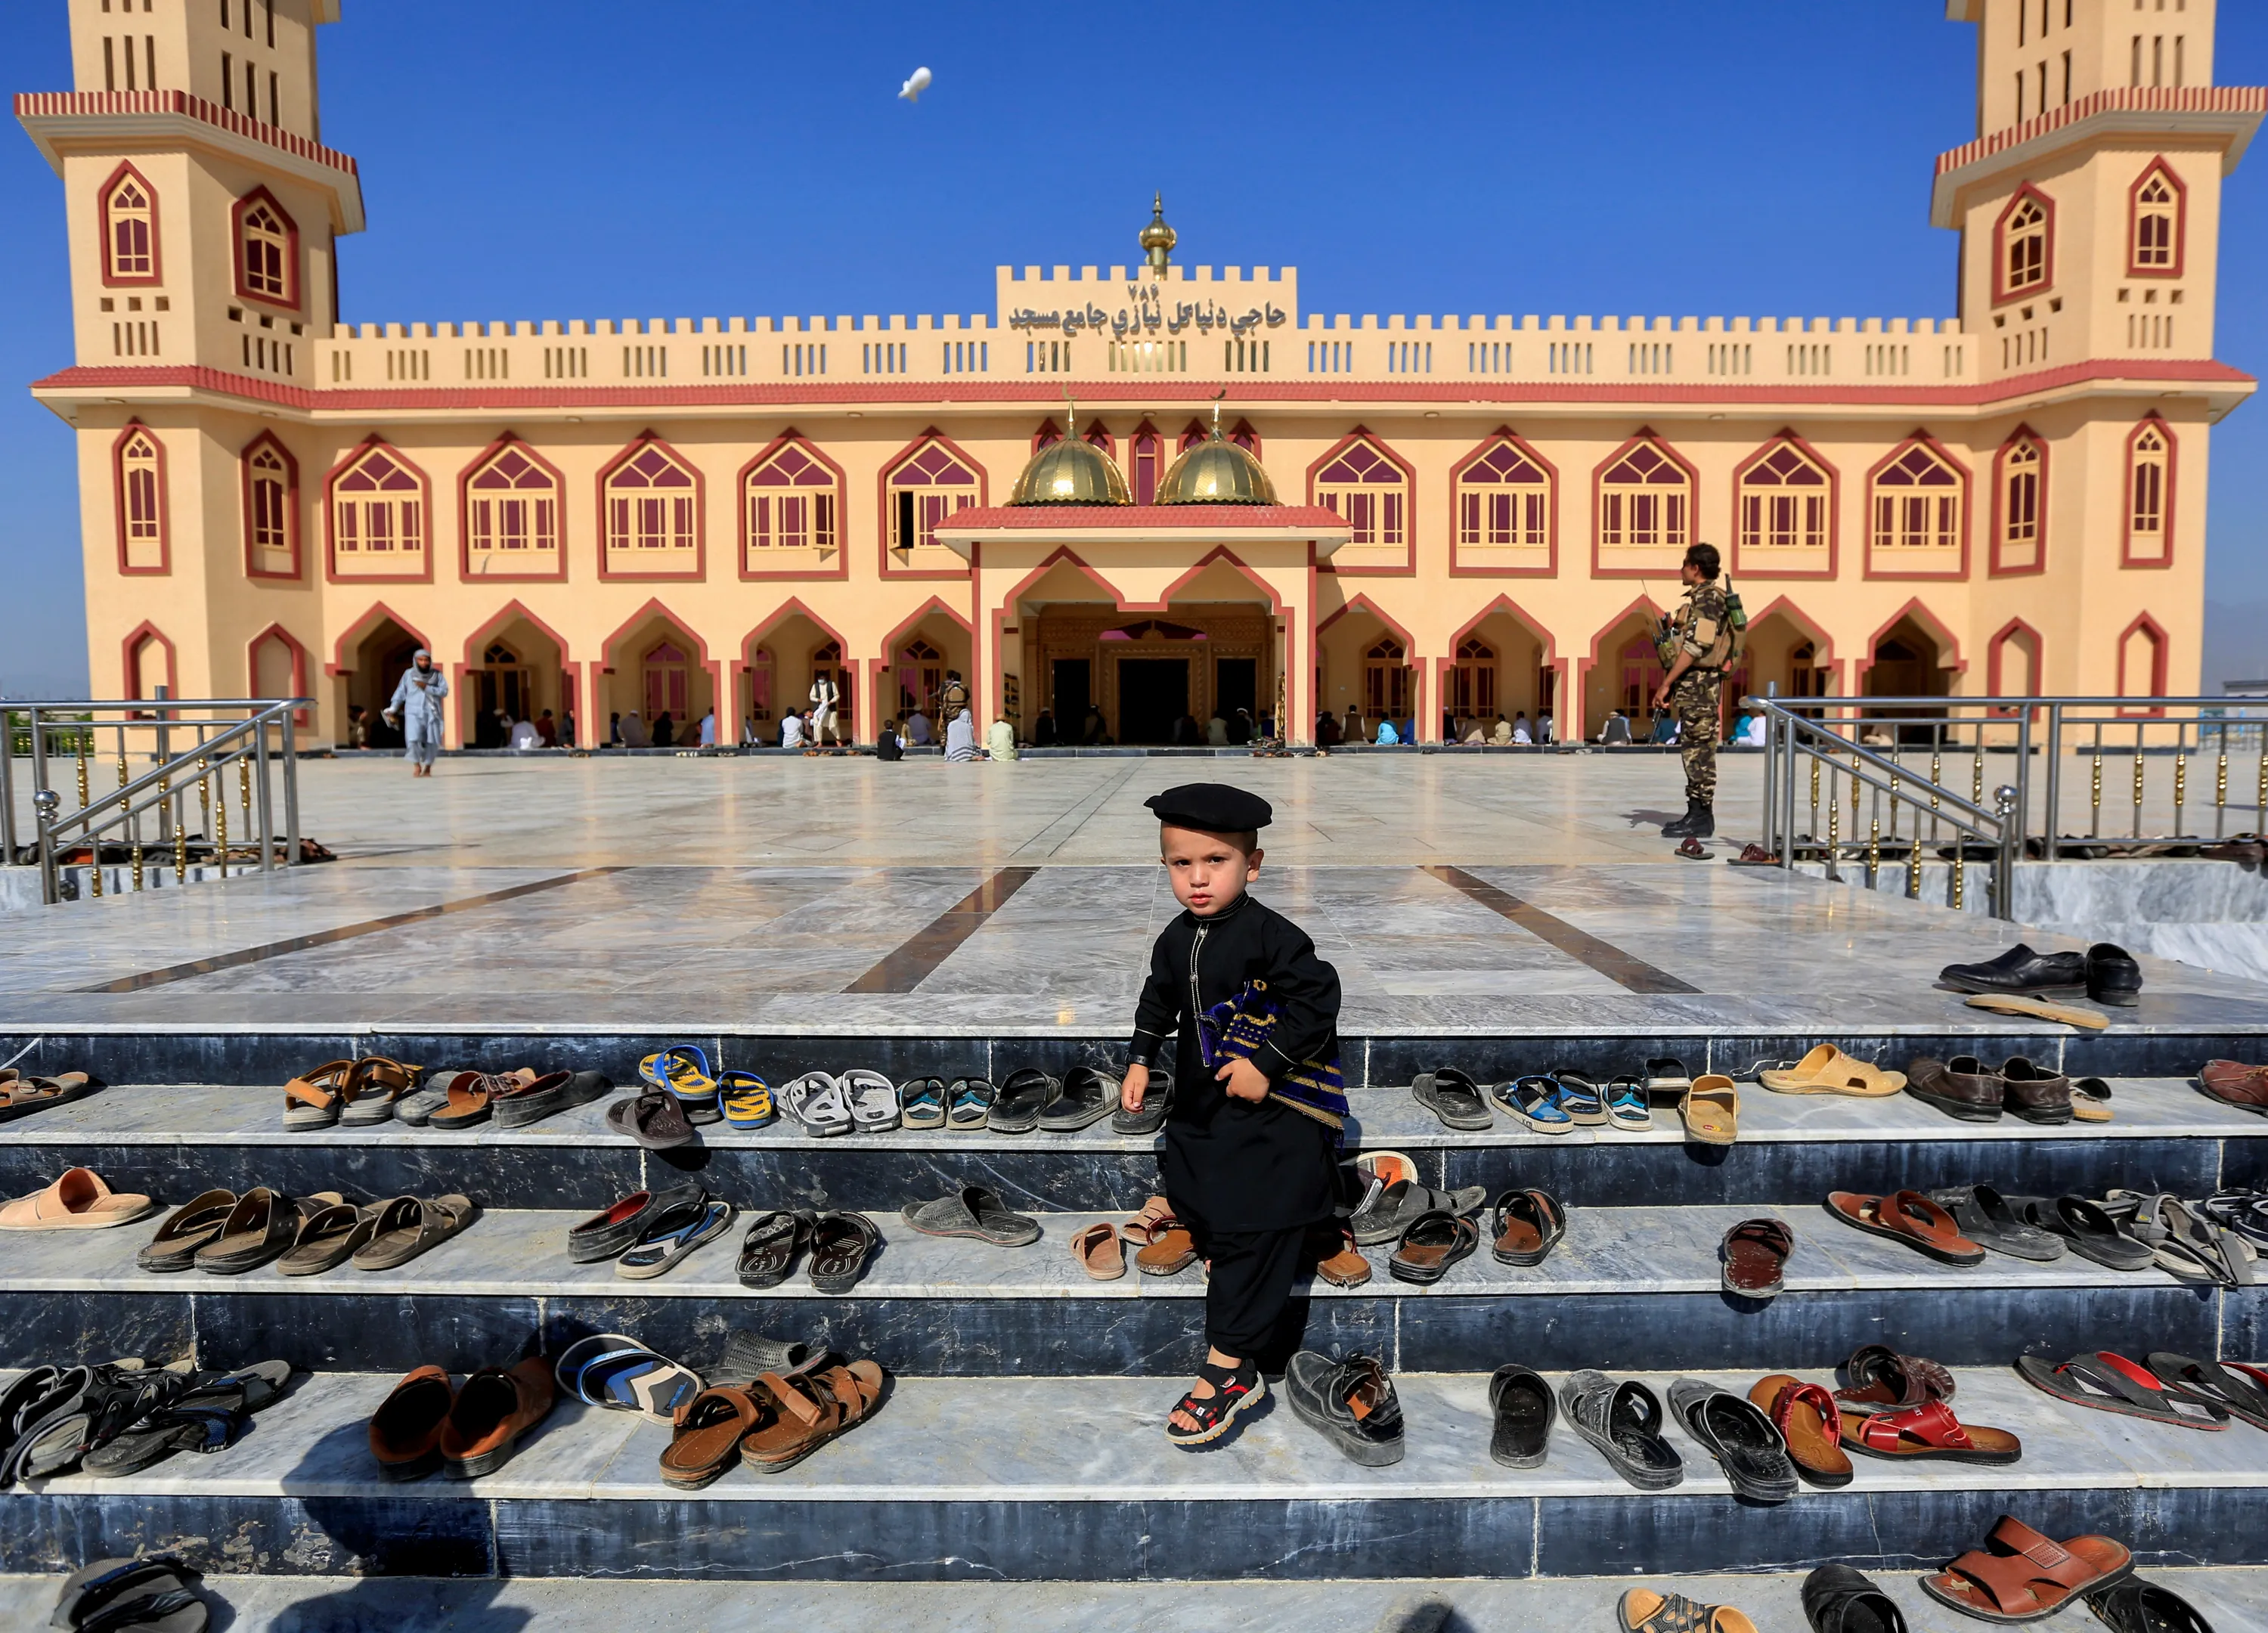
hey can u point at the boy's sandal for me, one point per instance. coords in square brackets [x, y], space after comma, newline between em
[1337, 1260]
[971, 1104]
[708, 1431]
[1234, 1392]
[1809, 1423]
[1642, 1610]
[1100, 1252]
[1925, 1432]
[1580, 1097]
[1712, 1109]
[2111, 1383]
[1143, 1228]
[1170, 1250]
[921, 1103]
[1535, 1101]
[312, 1100]
[746, 1100]
[682, 1071]
[2025, 1576]
[768, 1252]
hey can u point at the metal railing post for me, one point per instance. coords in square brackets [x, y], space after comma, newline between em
[267, 811]
[2006, 800]
[45, 804]
[1771, 804]
[8, 789]
[2023, 775]
[2054, 779]
[290, 788]
[39, 755]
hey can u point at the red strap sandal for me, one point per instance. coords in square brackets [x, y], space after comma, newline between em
[1234, 1392]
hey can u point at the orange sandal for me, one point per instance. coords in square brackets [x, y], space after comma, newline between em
[2025, 1576]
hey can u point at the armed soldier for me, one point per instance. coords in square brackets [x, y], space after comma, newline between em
[1695, 644]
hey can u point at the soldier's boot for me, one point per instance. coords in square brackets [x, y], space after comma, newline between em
[1698, 822]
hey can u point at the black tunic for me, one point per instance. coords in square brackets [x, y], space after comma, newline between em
[1237, 1165]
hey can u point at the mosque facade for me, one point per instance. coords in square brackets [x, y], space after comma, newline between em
[1147, 490]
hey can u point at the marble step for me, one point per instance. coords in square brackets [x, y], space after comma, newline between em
[1636, 1286]
[174, 1140]
[1035, 1479]
[1381, 1044]
[2231, 1598]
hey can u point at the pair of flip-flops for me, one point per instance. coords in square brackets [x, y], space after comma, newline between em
[2163, 1387]
[619, 1373]
[857, 1102]
[682, 1072]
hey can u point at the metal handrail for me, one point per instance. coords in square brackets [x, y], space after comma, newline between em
[265, 733]
[2042, 732]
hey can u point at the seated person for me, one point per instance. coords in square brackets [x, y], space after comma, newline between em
[1617, 729]
[1217, 729]
[1387, 733]
[1544, 733]
[1043, 730]
[1242, 728]
[634, 733]
[1665, 728]
[792, 730]
[1093, 729]
[547, 730]
[1507, 732]
[919, 730]
[887, 744]
[1473, 732]
[1327, 729]
[525, 737]
[1754, 730]
[665, 730]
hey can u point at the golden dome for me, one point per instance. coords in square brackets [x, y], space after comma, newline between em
[1071, 472]
[1216, 471]
[1158, 239]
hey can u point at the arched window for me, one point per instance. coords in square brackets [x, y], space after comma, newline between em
[2012, 662]
[1787, 502]
[920, 670]
[130, 229]
[1049, 434]
[2149, 495]
[2027, 255]
[1386, 681]
[140, 477]
[2019, 543]
[511, 514]
[791, 501]
[1473, 694]
[279, 668]
[271, 511]
[927, 486]
[266, 250]
[2142, 661]
[377, 515]
[1369, 489]
[1917, 503]
[1097, 435]
[1646, 501]
[1504, 498]
[149, 664]
[1149, 453]
[652, 506]
[2154, 233]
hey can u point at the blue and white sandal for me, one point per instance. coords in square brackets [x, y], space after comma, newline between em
[615, 1372]
[677, 1232]
[1580, 1097]
[1534, 1101]
[921, 1103]
[1627, 1106]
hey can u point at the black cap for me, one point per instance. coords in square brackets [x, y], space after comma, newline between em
[1215, 807]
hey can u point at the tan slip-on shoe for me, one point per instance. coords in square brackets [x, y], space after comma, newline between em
[79, 1201]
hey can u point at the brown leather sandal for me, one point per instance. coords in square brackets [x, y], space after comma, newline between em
[1755, 1253]
[798, 1415]
[1142, 1229]
[1100, 1252]
[1907, 1217]
[1807, 1418]
[1925, 1433]
[709, 1429]
[2025, 1576]
[1877, 1375]
[1171, 1249]
[312, 1100]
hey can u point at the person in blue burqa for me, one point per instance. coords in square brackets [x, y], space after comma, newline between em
[416, 712]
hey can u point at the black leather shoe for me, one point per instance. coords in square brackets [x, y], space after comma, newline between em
[605, 1235]
[1838, 1600]
[2113, 977]
[2020, 969]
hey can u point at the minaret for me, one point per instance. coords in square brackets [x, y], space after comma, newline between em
[2089, 204]
[203, 207]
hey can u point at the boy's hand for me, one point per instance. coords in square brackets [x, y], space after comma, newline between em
[1135, 1085]
[1244, 1080]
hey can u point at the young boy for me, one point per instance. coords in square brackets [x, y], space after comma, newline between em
[1250, 1160]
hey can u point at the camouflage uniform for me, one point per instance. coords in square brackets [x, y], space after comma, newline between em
[1700, 627]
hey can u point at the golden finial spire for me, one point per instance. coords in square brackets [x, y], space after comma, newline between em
[1156, 240]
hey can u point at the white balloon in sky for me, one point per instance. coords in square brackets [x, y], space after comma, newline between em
[910, 92]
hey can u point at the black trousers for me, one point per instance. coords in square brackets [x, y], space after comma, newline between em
[1250, 1292]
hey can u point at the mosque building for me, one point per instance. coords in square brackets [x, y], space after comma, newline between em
[1148, 491]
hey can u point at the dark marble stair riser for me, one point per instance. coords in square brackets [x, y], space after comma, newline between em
[347, 1330]
[268, 1059]
[427, 1531]
[1043, 1173]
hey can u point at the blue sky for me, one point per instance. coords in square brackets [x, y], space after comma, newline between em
[668, 159]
